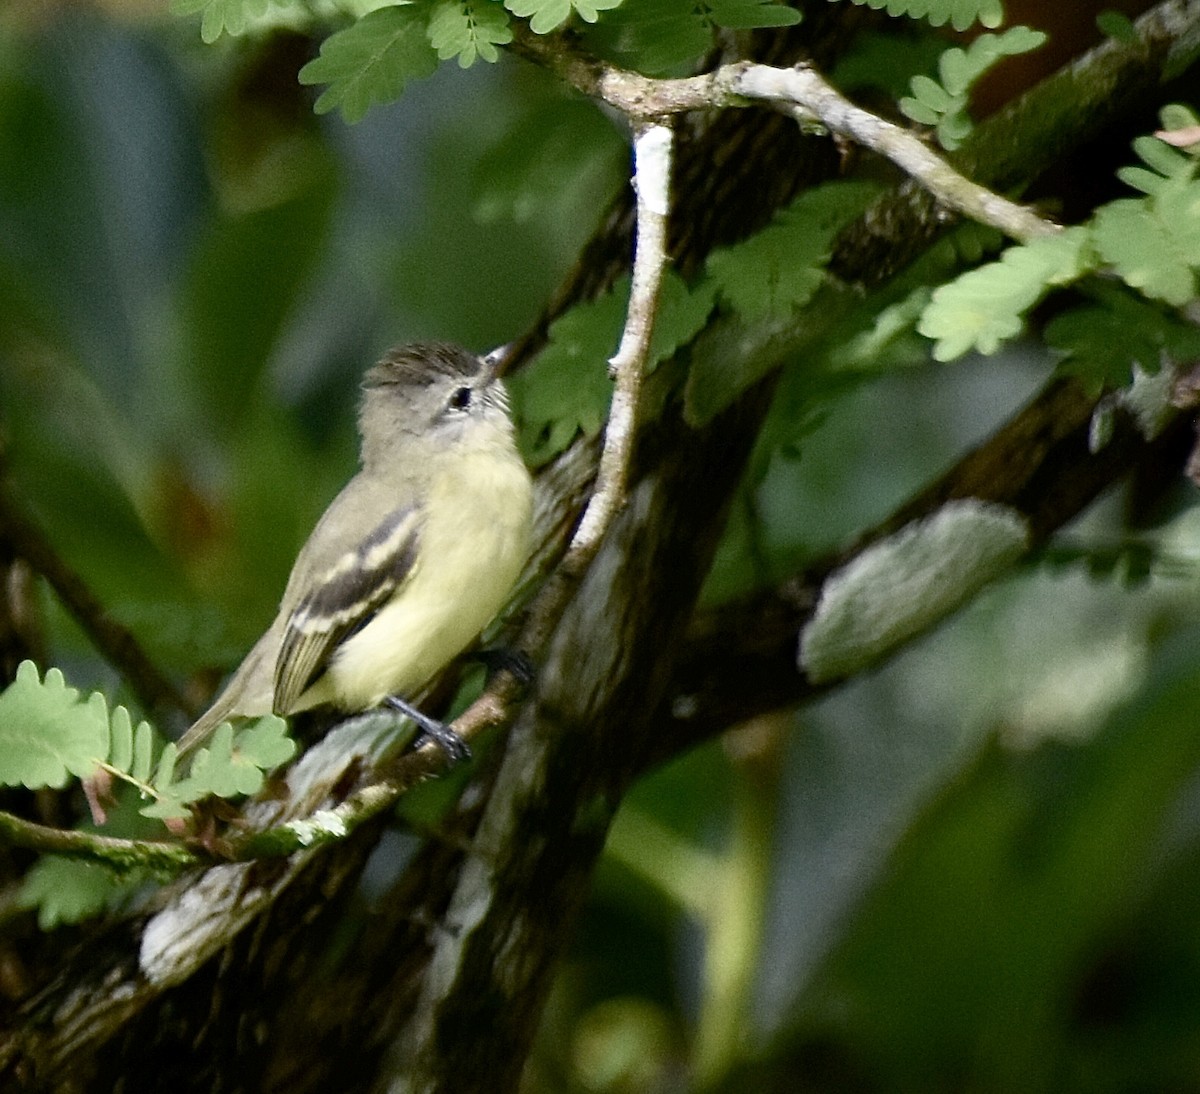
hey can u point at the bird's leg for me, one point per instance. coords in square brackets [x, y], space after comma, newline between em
[450, 742]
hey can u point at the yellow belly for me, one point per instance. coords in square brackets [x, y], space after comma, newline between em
[474, 543]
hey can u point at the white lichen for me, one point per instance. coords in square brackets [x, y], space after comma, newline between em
[322, 824]
[901, 586]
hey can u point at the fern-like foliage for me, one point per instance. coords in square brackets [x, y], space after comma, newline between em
[66, 890]
[468, 30]
[766, 277]
[985, 307]
[944, 105]
[48, 734]
[547, 15]
[372, 60]
[960, 14]
[233, 764]
[778, 269]
[1152, 243]
[566, 390]
[655, 35]
[1101, 341]
[219, 17]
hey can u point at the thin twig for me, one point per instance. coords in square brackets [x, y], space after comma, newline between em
[802, 93]
[164, 857]
[651, 180]
[115, 642]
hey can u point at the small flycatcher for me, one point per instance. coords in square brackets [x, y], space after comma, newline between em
[410, 561]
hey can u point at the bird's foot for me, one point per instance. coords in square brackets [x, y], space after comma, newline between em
[450, 742]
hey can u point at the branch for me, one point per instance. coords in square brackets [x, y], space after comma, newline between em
[652, 184]
[803, 94]
[740, 660]
[162, 857]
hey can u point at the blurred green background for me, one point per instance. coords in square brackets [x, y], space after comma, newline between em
[975, 869]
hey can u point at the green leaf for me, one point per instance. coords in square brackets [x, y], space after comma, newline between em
[265, 743]
[956, 70]
[121, 740]
[778, 269]
[886, 61]
[1118, 26]
[944, 104]
[69, 890]
[567, 389]
[1014, 41]
[1167, 161]
[985, 307]
[468, 29]
[171, 806]
[165, 771]
[751, 14]
[961, 14]
[931, 94]
[143, 752]
[1178, 116]
[66, 889]
[953, 129]
[1139, 178]
[220, 16]
[589, 10]
[371, 61]
[1101, 343]
[46, 733]
[1164, 164]
[918, 111]
[653, 35]
[231, 765]
[212, 765]
[886, 340]
[1146, 250]
[547, 15]
[682, 314]
[1177, 207]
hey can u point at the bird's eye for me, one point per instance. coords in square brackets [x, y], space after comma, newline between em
[461, 399]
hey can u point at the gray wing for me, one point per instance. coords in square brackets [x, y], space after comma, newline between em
[343, 600]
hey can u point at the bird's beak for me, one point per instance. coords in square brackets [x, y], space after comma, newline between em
[495, 360]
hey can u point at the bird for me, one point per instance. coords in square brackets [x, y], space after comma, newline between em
[410, 561]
